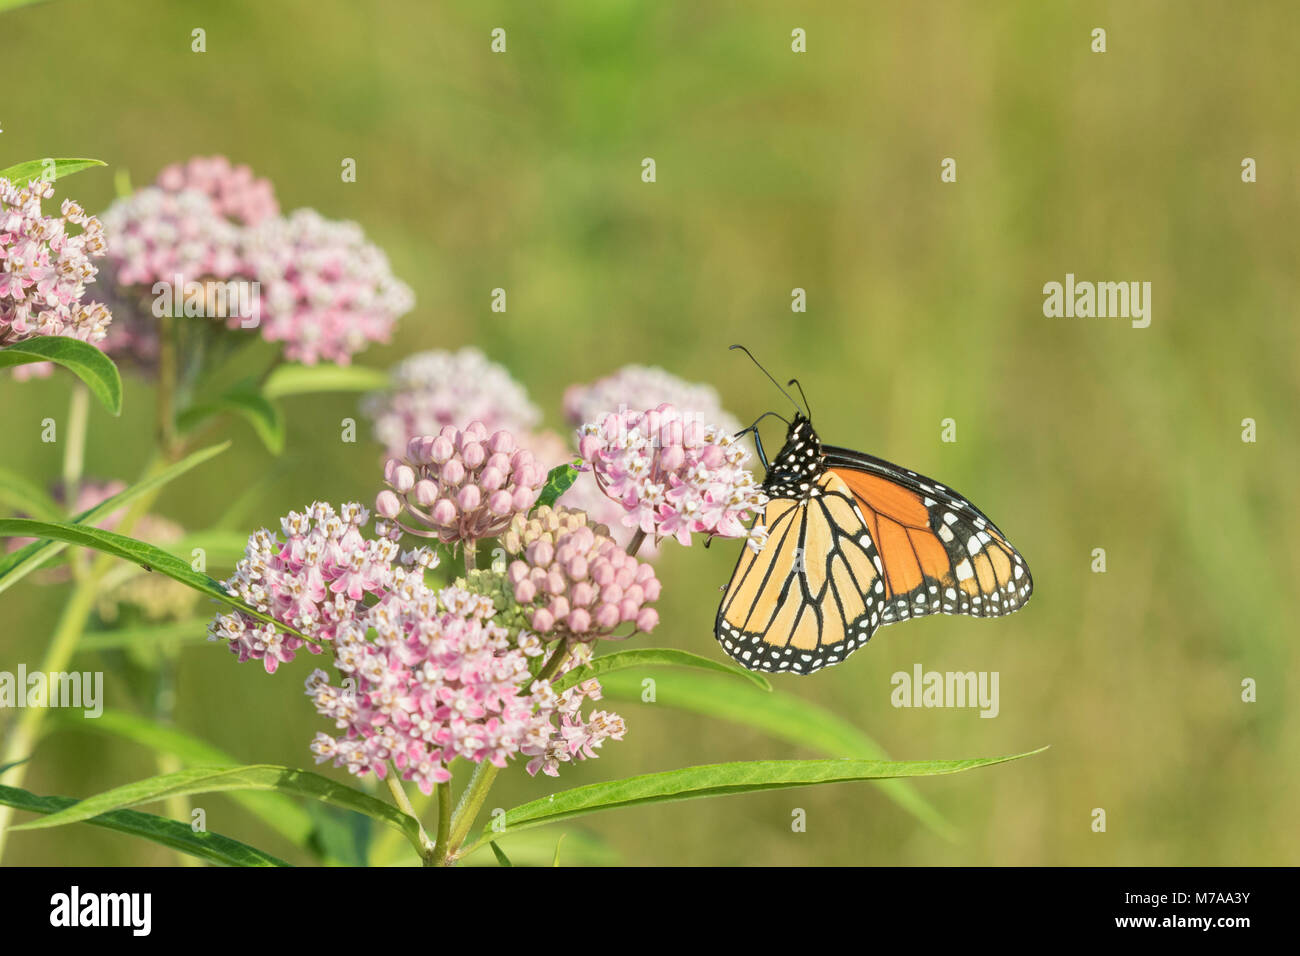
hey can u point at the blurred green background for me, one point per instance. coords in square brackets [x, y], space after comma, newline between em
[779, 170]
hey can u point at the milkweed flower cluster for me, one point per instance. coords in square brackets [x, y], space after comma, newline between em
[328, 292]
[157, 235]
[314, 580]
[425, 676]
[235, 192]
[44, 267]
[672, 475]
[577, 582]
[460, 485]
[430, 390]
[440, 680]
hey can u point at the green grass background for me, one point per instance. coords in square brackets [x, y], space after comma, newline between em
[778, 170]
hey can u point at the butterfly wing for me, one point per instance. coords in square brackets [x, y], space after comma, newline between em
[813, 594]
[940, 553]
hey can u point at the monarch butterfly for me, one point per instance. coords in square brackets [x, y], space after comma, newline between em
[855, 543]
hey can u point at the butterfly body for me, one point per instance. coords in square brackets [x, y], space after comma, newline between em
[855, 543]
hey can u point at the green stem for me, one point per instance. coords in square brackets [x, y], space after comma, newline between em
[471, 802]
[442, 847]
[166, 409]
[27, 730]
[425, 847]
[74, 459]
[471, 556]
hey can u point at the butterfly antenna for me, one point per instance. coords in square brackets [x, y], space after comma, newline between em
[771, 379]
[807, 407]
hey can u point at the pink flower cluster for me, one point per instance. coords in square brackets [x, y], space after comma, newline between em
[440, 680]
[460, 485]
[235, 193]
[157, 236]
[672, 475]
[328, 293]
[581, 585]
[426, 676]
[314, 581]
[44, 268]
[429, 390]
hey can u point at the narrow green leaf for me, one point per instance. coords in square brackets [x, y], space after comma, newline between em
[497, 852]
[275, 809]
[51, 169]
[781, 715]
[16, 566]
[146, 555]
[5, 767]
[714, 780]
[306, 379]
[253, 407]
[558, 481]
[172, 834]
[80, 358]
[555, 862]
[286, 780]
[653, 657]
[28, 497]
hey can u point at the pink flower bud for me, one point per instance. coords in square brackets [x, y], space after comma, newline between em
[555, 581]
[540, 553]
[388, 504]
[452, 473]
[525, 592]
[426, 492]
[523, 498]
[444, 512]
[582, 594]
[672, 458]
[577, 568]
[647, 619]
[500, 503]
[588, 447]
[441, 450]
[607, 617]
[490, 479]
[501, 442]
[559, 606]
[624, 577]
[628, 610]
[417, 449]
[611, 593]
[543, 621]
[473, 455]
[603, 575]
[579, 621]
[403, 478]
[635, 593]
[475, 431]
[469, 498]
[651, 589]
[517, 572]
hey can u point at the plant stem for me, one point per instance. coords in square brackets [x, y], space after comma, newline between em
[167, 387]
[634, 545]
[471, 556]
[426, 846]
[74, 458]
[63, 644]
[444, 825]
[471, 801]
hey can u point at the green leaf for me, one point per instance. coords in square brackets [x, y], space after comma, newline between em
[653, 657]
[714, 780]
[252, 406]
[275, 809]
[146, 555]
[781, 715]
[27, 496]
[342, 836]
[306, 379]
[502, 859]
[51, 169]
[80, 358]
[559, 480]
[173, 834]
[555, 862]
[17, 565]
[286, 780]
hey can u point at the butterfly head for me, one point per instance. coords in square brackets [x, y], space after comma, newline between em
[798, 464]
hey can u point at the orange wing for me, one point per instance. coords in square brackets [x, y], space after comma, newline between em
[940, 553]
